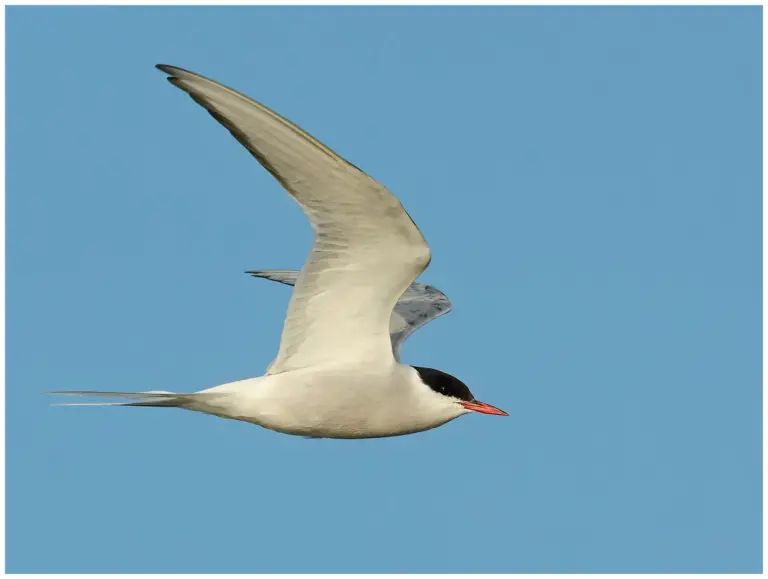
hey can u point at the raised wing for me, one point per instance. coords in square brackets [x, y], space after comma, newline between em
[419, 305]
[367, 250]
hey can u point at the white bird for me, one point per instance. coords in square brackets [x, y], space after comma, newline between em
[335, 375]
[419, 305]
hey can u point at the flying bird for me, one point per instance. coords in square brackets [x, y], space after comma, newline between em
[337, 372]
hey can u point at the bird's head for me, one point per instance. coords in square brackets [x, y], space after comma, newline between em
[455, 391]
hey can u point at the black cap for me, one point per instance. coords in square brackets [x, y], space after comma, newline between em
[444, 384]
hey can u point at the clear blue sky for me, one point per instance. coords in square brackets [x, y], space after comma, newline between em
[589, 181]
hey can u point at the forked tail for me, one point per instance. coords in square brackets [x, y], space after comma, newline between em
[153, 398]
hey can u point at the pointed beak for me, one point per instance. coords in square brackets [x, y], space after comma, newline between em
[482, 407]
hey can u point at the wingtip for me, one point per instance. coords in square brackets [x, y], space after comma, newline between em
[166, 68]
[174, 73]
[171, 71]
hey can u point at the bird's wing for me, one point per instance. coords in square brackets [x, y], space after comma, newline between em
[367, 250]
[420, 304]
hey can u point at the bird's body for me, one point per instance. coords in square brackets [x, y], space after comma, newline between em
[355, 401]
[337, 373]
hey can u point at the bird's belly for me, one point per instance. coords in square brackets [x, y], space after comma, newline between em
[345, 410]
[337, 426]
[341, 420]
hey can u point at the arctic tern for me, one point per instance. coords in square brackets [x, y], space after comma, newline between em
[337, 372]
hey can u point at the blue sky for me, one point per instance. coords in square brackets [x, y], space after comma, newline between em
[589, 181]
